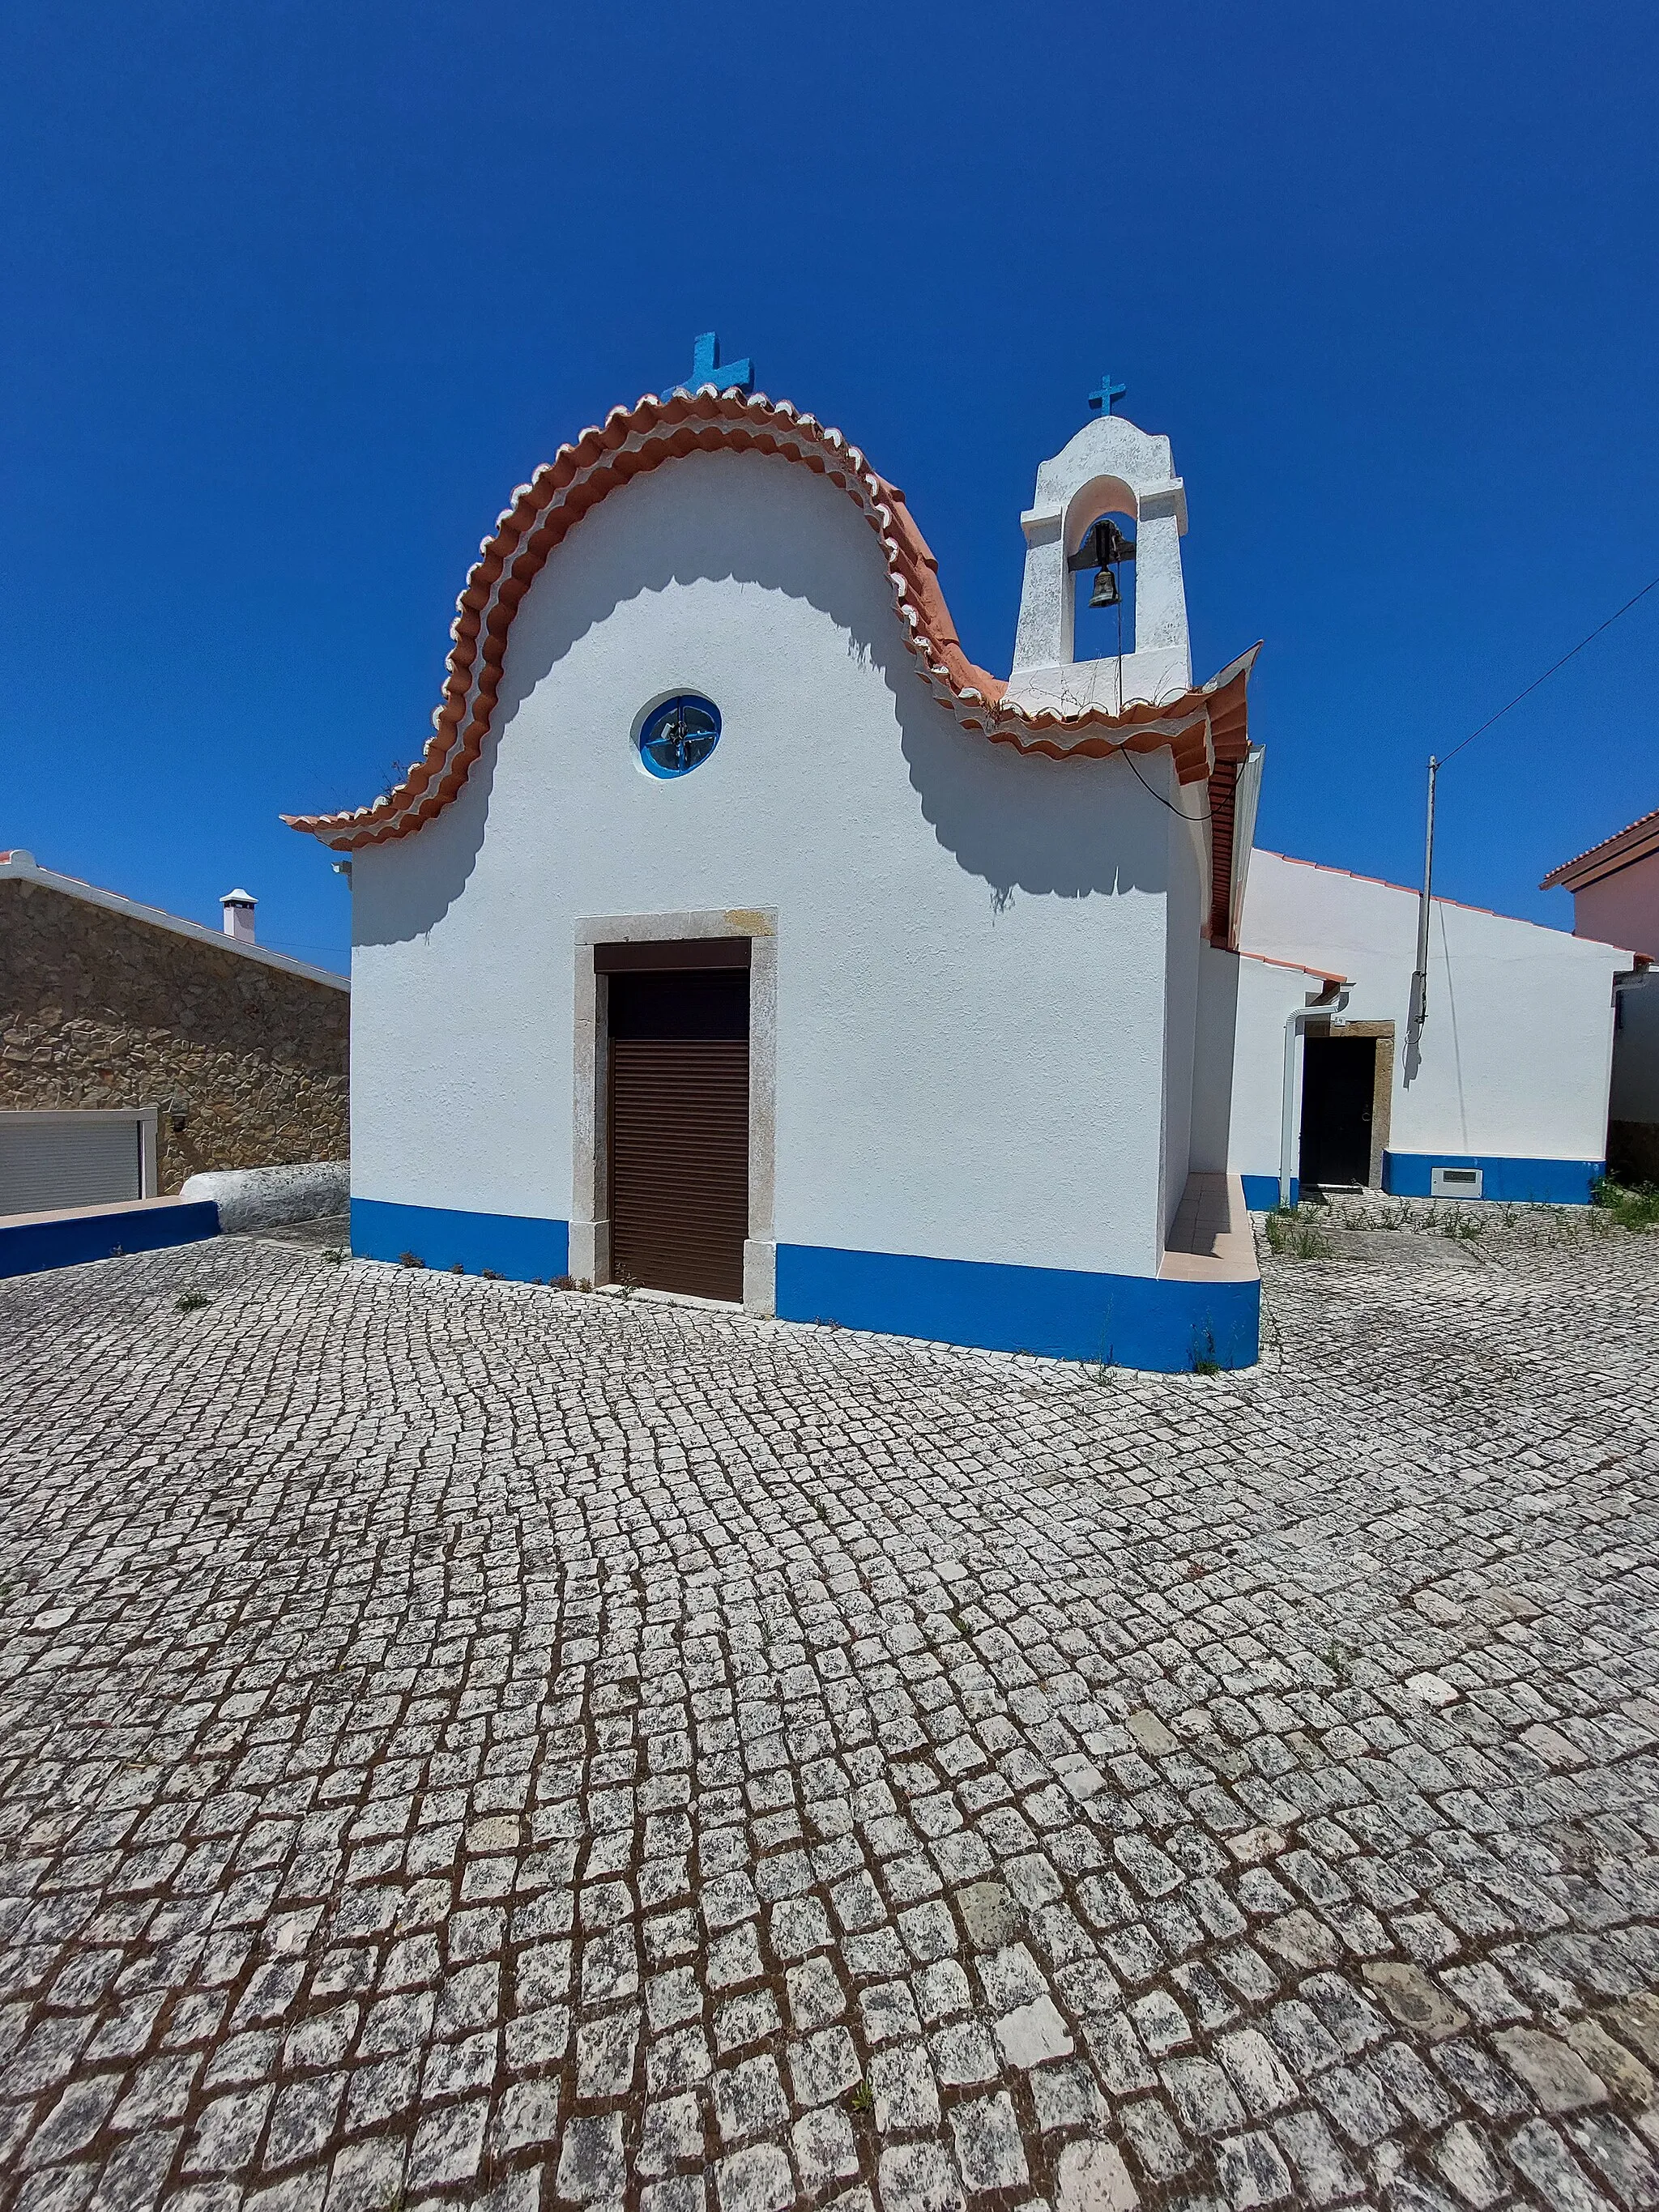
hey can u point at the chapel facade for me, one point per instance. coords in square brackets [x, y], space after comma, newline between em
[735, 936]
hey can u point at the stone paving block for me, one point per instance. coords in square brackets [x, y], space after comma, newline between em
[779, 1762]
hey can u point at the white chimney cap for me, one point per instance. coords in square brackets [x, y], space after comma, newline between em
[238, 898]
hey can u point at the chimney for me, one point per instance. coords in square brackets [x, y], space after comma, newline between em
[239, 915]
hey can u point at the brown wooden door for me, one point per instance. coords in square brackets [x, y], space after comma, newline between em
[679, 1129]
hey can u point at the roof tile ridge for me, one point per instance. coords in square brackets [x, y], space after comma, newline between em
[1606, 845]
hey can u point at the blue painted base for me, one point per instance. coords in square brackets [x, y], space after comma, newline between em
[1124, 1321]
[29, 1248]
[1513, 1182]
[1262, 1192]
[512, 1245]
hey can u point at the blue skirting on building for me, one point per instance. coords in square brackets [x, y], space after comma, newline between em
[1515, 1182]
[1124, 1321]
[1261, 1192]
[512, 1245]
[66, 1240]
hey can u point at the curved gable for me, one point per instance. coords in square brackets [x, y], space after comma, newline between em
[1205, 727]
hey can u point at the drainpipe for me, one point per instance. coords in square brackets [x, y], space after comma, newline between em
[1333, 996]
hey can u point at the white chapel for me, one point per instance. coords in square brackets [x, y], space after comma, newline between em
[735, 937]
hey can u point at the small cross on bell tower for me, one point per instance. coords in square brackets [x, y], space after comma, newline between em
[1107, 393]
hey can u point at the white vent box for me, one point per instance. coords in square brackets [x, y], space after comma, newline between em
[1454, 1182]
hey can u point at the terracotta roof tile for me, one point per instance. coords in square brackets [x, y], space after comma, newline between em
[1634, 842]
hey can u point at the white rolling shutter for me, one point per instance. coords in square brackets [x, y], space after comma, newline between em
[52, 1160]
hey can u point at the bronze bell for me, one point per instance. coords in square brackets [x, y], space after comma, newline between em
[1105, 592]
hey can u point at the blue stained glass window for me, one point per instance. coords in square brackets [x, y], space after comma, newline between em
[679, 735]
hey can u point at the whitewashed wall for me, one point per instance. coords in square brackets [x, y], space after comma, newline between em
[971, 943]
[1238, 1087]
[1183, 949]
[1517, 1051]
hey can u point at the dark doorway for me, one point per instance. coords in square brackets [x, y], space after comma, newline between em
[679, 1127]
[1339, 1083]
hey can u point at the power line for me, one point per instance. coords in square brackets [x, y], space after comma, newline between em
[1549, 671]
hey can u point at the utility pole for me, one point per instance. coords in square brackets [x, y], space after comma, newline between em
[1419, 1004]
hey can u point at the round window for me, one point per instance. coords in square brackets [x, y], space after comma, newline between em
[679, 735]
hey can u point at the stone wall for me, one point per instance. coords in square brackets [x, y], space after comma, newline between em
[248, 1063]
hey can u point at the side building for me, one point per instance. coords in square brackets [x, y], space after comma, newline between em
[1615, 893]
[1325, 1081]
[138, 1048]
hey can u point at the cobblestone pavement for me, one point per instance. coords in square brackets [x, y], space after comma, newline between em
[466, 1743]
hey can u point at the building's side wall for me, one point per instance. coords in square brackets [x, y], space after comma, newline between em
[248, 1063]
[970, 944]
[1183, 949]
[1516, 1052]
[1622, 908]
[1633, 1111]
[1215, 1034]
[1239, 1096]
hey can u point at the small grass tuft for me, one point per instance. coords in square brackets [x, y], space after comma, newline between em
[333, 1254]
[411, 1260]
[193, 1301]
[1631, 1206]
[1292, 1235]
[1461, 1226]
[862, 2098]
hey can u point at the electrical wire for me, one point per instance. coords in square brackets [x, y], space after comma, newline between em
[1199, 820]
[1549, 671]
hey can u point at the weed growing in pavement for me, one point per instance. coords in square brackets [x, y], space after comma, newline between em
[193, 1301]
[411, 1260]
[1461, 1226]
[1293, 1234]
[333, 1254]
[1631, 1206]
[862, 2097]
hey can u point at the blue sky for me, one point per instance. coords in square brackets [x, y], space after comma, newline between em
[297, 294]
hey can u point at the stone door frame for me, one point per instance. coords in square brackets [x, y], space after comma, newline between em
[590, 1198]
[1381, 1087]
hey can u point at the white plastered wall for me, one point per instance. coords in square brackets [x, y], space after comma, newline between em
[1238, 1084]
[1515, 1052]
[1183, 950]
[970, 944]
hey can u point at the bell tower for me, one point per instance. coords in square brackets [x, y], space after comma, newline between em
[1111, 467]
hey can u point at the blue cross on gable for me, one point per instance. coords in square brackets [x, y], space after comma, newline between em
[707, 367]
[1105, 392]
